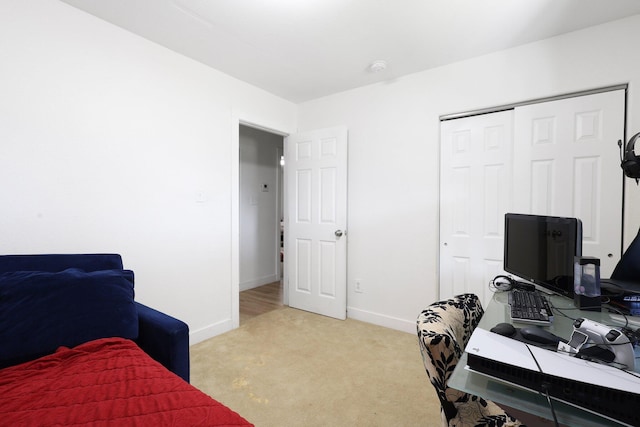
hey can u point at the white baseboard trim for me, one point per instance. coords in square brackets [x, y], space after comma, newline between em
[254, 283]
[226, 325]
[382, 320]
[210, 331]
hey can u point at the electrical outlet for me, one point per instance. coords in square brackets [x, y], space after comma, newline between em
[359, 288]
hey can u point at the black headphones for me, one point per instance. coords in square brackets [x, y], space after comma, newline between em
[630, 162]
[503, 283]
[506, 283]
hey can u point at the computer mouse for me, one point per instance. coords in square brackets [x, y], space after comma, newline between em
[506, 329]
[539, 335]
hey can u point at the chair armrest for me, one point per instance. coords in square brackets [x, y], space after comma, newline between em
[165, 339]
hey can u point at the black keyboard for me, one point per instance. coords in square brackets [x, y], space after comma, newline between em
[529, 307]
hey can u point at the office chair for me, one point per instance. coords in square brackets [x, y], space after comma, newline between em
[444, 329]
[628, 268]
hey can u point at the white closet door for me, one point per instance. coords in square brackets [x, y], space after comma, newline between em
[475, 194]
[567, 163]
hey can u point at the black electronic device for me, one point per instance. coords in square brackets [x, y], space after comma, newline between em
[630, 162]
[533, 335]
[541, 249]
[539, 335]
[505, 329]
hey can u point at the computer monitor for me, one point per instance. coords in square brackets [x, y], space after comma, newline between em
[541, 249]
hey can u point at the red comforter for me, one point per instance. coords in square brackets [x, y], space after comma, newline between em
[104, 382]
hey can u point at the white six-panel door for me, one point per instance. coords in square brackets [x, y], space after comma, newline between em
[567, 163]
[316, 235]
[553, 158]
[475, 192]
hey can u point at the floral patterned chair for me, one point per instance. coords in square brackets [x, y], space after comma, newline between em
[444, 329]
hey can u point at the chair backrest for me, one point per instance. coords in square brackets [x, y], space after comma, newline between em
[628, 268]
[444, 329]
[54, 263]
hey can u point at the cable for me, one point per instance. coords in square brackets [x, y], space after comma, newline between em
[559, 310]
[621, 313]
[545, 387]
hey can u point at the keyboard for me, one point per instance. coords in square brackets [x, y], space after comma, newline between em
[529, 307]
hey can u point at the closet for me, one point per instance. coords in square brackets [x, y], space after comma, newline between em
[555, 157]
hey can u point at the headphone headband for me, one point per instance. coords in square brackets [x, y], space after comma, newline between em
[630, 162]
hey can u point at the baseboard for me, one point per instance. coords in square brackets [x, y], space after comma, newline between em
[210, 331]
[382, 320]
[260, 281]
[226, 325]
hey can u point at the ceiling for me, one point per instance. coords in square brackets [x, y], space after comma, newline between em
[305, 49]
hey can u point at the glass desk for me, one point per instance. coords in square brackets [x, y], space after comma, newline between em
[519, 398]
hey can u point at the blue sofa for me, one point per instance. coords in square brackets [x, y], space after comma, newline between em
[53, 300]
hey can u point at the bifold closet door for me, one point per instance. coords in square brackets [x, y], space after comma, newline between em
[475, 193]
[557, 158]
[566, 162]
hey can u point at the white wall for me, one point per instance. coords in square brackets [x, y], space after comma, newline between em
[393, 153]
[110, 143]
[259, 222]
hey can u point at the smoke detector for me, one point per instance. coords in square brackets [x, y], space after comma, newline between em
[378, 66]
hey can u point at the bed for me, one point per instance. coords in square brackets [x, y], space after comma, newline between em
[76, 349]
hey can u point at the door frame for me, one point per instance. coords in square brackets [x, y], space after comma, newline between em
[242, 118]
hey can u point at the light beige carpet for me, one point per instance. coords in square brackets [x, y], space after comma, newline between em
[293, 368]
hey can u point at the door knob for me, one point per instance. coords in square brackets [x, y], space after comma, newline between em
[338, 233]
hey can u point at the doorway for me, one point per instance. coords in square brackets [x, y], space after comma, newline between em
[260, 221]
[325, 151]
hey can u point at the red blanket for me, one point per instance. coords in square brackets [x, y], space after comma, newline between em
[104, 382]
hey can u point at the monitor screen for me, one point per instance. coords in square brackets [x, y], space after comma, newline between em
[541, 249]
